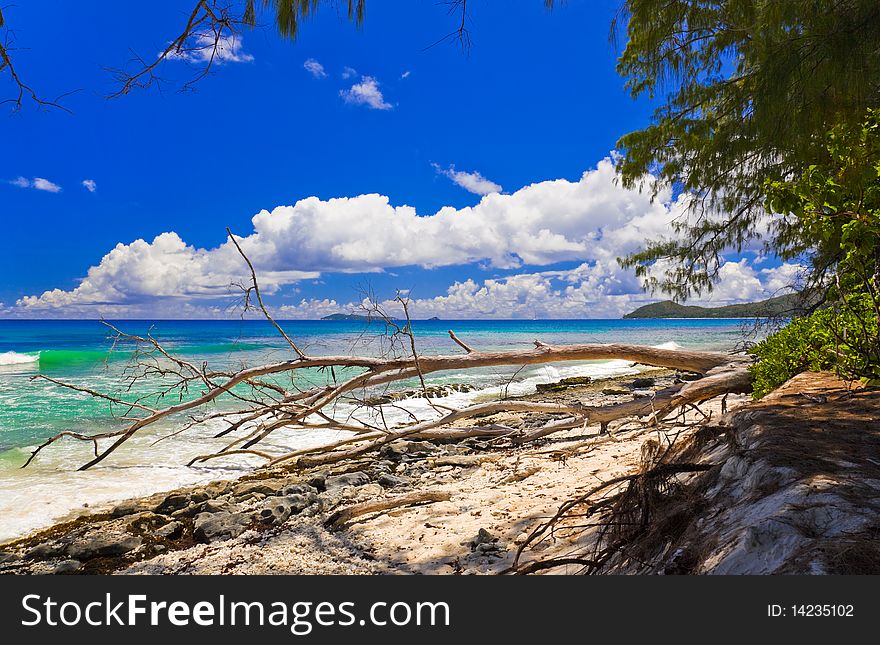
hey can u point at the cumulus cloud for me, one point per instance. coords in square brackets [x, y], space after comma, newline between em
[349, 72]
[166, 268]
[90, 185]
[315, 68]
[46, 185]
[228, 49]
[593, 219]
[588, 223]
[598, 290]
[37, 183]
[367, 93]
[472, 182]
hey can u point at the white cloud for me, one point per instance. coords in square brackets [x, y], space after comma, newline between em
[593, 219]
[46, 185]
[472, 182]
[315, 68]
[349, 72]
[405, 75]
[166, 268]
[600, 290]
[590, 222]
[37, 183]
[228, 49]
[90, 185]
[367, 93]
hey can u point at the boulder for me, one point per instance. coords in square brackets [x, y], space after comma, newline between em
[642, 383]
[66, 566]
[6, 558]
[276, 510]
[615, 391]
[132, 506]
[171, 503]
[267, 487]
[102, 545]
[213, 527]
[576, 380]
[393, 481]
[356, 478]
[145, 521]
[550, 387]
[170, 531]
[299, 489]
[45, 550]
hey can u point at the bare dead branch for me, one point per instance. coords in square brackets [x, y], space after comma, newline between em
[344, 515]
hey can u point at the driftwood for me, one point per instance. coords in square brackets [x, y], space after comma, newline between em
[347, 514]
[265, 405]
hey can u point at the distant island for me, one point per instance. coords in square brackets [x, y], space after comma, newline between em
[787, 305]
[347, 317]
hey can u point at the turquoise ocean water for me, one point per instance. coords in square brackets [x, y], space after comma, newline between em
[79, 351]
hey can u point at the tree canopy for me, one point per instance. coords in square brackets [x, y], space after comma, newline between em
[748, 89]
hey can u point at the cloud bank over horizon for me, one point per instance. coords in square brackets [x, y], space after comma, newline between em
[585, 224]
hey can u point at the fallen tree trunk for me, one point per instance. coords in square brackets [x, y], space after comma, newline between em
[295, 409]
[345, 515]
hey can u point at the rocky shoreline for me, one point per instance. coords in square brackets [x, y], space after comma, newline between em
[269, 503]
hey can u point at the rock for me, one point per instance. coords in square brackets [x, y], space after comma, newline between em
[142, 522]
[615, 391]
[370, 490]
[276, 510]
[132, 506]
[483, 537]
[218, 506]
[550, 387]
[642, 383]
[688, 376]
[576, 380]
[190, 511]
[299, 489]
[170, 531]
[393, 481]
[267, 487]
[198, 496]
[319, 482]
[459, 461]
[105, 544]
[487, 544]
[66, 566]
[401, 449]
[213, 527]
[45, 550]
[6, 558]
[171, 503]
[356, 478]
[521, 538]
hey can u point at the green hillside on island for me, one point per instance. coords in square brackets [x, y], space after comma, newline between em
[787, 305]
[346, 317]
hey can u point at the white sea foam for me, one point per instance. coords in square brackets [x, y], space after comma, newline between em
[14, 358]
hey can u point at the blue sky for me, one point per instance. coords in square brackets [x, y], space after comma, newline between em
[340, 113]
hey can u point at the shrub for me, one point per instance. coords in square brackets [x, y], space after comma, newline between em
[843, 338]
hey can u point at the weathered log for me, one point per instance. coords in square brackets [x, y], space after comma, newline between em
[345, 515]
